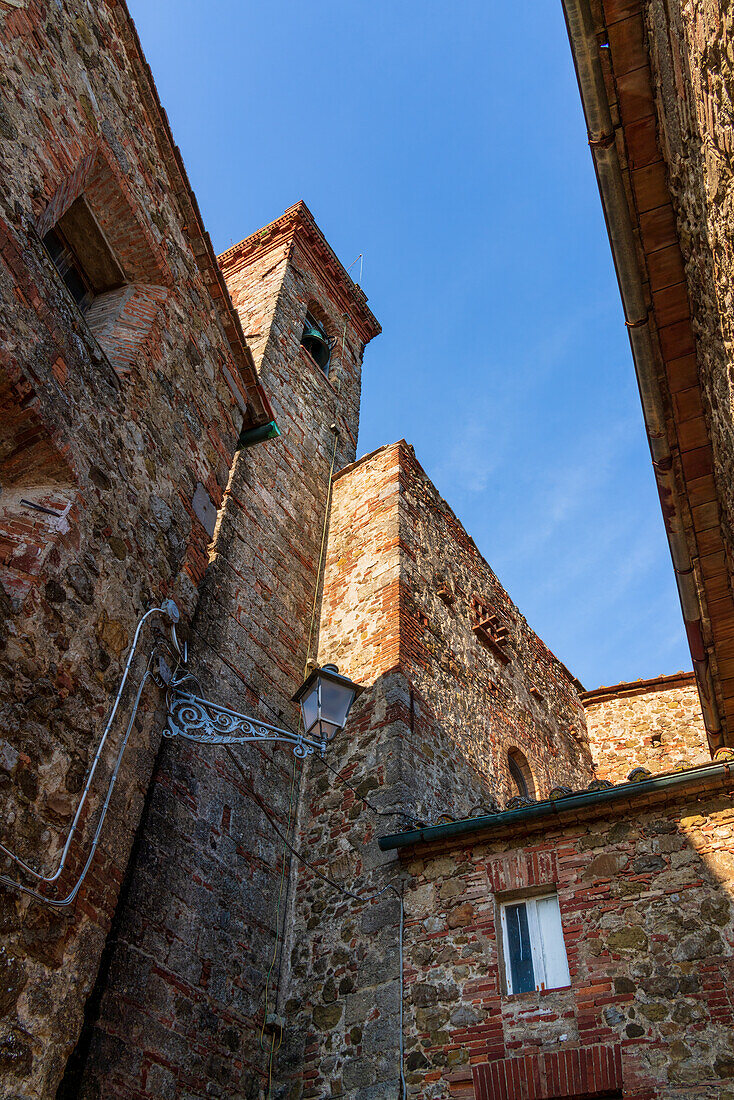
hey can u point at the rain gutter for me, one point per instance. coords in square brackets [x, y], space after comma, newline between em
[561, 808]
[602, 141]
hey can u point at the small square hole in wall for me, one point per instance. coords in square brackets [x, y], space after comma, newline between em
[444, 589]
[422, 619]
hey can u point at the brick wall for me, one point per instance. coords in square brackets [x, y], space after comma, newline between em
[645, 898]
[184, 1005]
[117, 457]
[653, 724]
[406, 585]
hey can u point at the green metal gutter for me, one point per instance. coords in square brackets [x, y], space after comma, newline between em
[250, 436]
[558, 808]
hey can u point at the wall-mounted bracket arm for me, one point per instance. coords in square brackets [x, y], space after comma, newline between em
[200, 720]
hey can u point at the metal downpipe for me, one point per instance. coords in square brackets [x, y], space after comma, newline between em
[602, 142]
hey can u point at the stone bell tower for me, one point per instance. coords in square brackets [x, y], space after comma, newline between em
[307, 324]
[182, 1000]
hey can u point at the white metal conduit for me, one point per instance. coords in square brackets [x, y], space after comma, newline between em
[170, 612]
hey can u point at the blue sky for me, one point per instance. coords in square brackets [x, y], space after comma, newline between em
[445, 142]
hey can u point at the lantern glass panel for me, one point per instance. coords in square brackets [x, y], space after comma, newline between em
[335, 702]
[327, 730]
[310, 709]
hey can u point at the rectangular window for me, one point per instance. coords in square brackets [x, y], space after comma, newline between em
[534, 950]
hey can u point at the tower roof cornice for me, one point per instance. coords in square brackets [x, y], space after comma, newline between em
[297, 224]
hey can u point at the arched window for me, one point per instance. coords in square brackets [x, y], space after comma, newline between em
[520, 773]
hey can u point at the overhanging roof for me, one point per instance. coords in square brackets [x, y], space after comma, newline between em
[613, 69]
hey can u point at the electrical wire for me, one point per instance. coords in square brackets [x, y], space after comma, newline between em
[74, 825]
[60, 903]
[323, 546]
[276, 942]
[347, 893]
[412, 819]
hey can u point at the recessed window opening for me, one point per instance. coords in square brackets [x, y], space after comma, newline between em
[69, 269]
[82, 256]
[533, 945]
[520, 773]
[316, 342]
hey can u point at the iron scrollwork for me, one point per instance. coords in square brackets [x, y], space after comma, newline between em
[207, 723]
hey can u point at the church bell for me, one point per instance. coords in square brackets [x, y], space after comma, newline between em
[315, 342]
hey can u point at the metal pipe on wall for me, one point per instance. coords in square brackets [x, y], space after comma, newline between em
[602, 141]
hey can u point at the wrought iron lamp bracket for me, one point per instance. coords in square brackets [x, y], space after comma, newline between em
[207, 723]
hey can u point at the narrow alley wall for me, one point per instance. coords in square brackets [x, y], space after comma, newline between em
[116, 423]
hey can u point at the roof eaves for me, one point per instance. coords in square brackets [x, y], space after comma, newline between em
[638, 687]
[592, 803]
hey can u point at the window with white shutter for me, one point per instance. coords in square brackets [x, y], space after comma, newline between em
[534, 949]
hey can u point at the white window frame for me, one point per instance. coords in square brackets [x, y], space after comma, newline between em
[539, 949]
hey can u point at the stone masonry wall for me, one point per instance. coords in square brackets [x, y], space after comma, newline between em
[120, 455]
[489, 697]
[656, 725]
[646, 907]
[341, 1036]
[427, 738]
[183, 1010]
[403, 578]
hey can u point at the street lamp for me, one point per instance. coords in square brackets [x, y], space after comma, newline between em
[326, 698]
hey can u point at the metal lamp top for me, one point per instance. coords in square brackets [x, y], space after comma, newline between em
[326, 672]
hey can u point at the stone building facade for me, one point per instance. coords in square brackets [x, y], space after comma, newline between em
[253, 925]
[643, 876]
[656, 724]
[118, 430]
